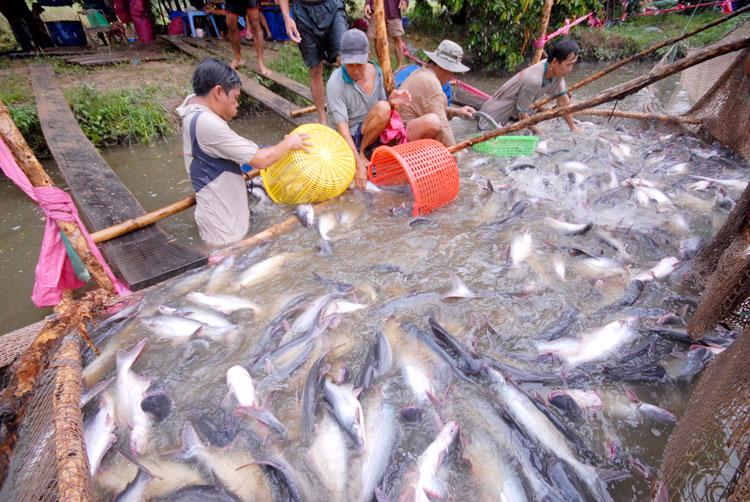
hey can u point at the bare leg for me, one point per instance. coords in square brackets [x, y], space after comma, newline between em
[318, 91]
[398, 46]
[253, 18]
[264, 25]
[425, 127]
[374, 124]
[234, 39]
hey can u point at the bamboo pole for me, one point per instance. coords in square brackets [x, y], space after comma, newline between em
[29, 164]
[644, 52]
[302, 111]
[617, 92]
[546, 11]
[667, 119]
[381, 45]
[133, 224]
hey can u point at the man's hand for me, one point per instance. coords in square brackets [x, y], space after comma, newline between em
[291, 30]
[360, 175]
[466, 112]
[535, 130]
[368, 11]
[298, 142]
[399, 97]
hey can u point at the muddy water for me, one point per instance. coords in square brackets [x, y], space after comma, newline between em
[399, 272]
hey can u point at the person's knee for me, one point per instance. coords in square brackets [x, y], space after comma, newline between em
[381, 111]
[431, 123]
[316, 71]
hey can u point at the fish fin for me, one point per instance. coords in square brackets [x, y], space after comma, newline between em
[226, 400]
[630, 393]
[190, 441]
[662, 493]
[610, 475]
[130, 458]
[126, 359]
[432, 495]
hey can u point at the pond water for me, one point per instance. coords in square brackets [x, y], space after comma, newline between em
[528, 272]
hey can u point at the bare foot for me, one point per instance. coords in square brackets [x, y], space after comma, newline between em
[323, 118]
[264, 70]
[236, 63]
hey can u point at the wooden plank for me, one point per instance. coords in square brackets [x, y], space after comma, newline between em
[250, 86]
[141, 258]
[284, 81]
[107, 60]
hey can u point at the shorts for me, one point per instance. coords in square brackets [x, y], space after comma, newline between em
[394, 28]
[240, 7]
[321, 25]
[357, 137]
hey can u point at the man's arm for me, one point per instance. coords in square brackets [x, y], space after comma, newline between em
[291, 26]
[564, 100]
[461, 111]
[265, 157]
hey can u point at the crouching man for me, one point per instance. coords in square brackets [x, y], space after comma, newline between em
[358, 108]
[214, 153]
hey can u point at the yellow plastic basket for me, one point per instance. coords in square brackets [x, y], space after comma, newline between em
[324, 173]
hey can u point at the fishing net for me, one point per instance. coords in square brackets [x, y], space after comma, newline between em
[50, 461]
[719, 91]
[710, 447]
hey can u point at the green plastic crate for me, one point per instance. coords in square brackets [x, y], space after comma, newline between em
[508, 146]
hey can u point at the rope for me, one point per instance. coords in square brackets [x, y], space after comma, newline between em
[565, 29]
[726, 8]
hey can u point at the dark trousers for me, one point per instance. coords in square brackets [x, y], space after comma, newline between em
[22, 22]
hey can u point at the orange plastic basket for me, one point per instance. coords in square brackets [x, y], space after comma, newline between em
[426, 165]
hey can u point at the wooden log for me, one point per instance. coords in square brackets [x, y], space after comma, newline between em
[26, 371]
[381, 45]
[667, 119]
[617, 92]
[546, 11]
[38, 177]
[644, 52]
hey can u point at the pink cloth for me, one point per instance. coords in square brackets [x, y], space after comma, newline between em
[395, 132]
[54, 272]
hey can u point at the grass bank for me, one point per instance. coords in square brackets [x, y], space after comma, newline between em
[636, 34]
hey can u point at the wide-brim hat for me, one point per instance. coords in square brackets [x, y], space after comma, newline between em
[448, 56]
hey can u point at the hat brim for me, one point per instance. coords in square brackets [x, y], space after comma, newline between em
[446, 63]
[353, 58]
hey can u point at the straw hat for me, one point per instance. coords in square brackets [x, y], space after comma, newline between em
[448, 56]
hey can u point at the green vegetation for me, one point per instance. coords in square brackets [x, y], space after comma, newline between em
[497, 34]
[121, 116]
[289, 62]
[15, 91]
[639, 33]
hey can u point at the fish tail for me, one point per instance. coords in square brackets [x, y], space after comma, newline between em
[190, 441]
[126, 359]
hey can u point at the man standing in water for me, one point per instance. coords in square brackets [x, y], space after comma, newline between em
[235, 9]
[512, 102]
[214, 153]
[317, 28]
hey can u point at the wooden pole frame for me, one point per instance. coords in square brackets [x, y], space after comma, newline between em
[617, 92]
[28, 162]
[667, 119]
[644, 52]
[546, 12]
[381, 45]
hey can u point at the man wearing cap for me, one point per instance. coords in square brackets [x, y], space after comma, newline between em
[427, 97]
[316, 28]
[358, 108]
[514, 100]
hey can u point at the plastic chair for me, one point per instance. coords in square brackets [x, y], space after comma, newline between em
[188, 20]
[95, 23]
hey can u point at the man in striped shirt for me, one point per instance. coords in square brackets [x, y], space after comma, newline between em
[513, 101]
